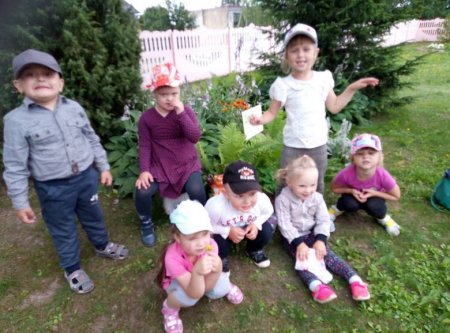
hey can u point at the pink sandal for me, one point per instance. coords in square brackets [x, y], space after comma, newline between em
[172, 321]
[235, 295]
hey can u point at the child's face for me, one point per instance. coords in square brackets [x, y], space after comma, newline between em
[305, 184]
[166, 98]
[194, 244]
[301, 54]
[41, 84]
[367, 159]
[242, 202]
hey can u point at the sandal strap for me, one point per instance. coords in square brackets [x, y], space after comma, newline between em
[235, 295]
[83, 285]
[114, 251]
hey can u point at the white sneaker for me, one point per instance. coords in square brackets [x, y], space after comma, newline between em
[390, 225]
[334, 212]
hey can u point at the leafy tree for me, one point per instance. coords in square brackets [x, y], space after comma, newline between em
[349, 33]
[253, 13]
[180, 18]
[174, 17]
[155, 19]
[96, 43]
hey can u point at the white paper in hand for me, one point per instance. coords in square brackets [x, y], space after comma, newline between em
[249, 129]
[315, 266]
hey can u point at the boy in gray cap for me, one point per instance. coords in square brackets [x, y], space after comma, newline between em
[49, 138]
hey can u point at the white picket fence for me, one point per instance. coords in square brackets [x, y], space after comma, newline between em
[202, 53]
[415, 31]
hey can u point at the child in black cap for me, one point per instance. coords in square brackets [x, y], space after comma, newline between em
[50, 139]
[241, 212]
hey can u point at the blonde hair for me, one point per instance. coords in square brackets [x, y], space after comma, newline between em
[295, 169]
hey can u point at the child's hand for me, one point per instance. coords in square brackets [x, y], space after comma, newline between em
[26, 215]
[368, 193]
[205, 265]
[321, 249]
[236, 234]
[251, 231]
[255, 120]
[216, 262]
[302, 252]
[178, 106]
[363, 83]
[106, 178]
[359, 195]
[144, 181]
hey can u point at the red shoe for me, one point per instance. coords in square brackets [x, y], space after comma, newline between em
[360, 291]
[323, 294]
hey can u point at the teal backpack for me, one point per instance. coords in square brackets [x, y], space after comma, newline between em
[440, 198]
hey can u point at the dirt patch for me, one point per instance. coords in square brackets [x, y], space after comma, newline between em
[42, 297]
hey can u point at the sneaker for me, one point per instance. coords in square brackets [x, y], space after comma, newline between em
[172, 321]
[323, 294]
[148, 237]
[259, 258]
[391, 226]
[225, 265]
[360, 291]
[235, 295]
[334, 212]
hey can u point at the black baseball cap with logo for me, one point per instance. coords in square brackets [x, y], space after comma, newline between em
[241, 177]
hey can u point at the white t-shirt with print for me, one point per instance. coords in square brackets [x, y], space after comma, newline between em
[224, 216]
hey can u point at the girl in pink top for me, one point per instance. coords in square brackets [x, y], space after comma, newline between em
[190, 265]
[365, 184]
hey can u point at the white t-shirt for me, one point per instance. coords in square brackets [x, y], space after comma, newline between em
[304, 101]
[224, 216]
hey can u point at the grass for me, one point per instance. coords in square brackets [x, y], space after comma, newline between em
[409, 275]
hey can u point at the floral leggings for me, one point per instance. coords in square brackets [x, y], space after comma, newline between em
[335, 264]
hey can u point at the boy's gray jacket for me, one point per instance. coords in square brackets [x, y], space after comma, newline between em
[47, 145]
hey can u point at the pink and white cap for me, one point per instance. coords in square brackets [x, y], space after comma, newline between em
[164, 75]
[365, 140]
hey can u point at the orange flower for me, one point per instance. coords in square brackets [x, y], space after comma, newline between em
[240, 104]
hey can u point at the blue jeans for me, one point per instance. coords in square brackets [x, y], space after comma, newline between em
[374, 206]
[62, 201]
[143, 198]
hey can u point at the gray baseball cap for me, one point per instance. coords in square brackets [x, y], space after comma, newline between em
[301, 29]
[31, 56]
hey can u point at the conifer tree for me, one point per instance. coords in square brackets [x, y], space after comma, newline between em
[96, 43]
[350, 32]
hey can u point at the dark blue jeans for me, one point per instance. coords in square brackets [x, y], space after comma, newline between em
[194, 187]
[374, 206]
[62, 201]
[257, 244]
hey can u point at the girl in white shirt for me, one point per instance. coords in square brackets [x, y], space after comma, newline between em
[306, 94]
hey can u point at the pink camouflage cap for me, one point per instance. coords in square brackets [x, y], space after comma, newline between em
[164, 75]
[365, 140]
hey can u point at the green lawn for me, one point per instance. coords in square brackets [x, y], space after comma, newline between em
[409, 275]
